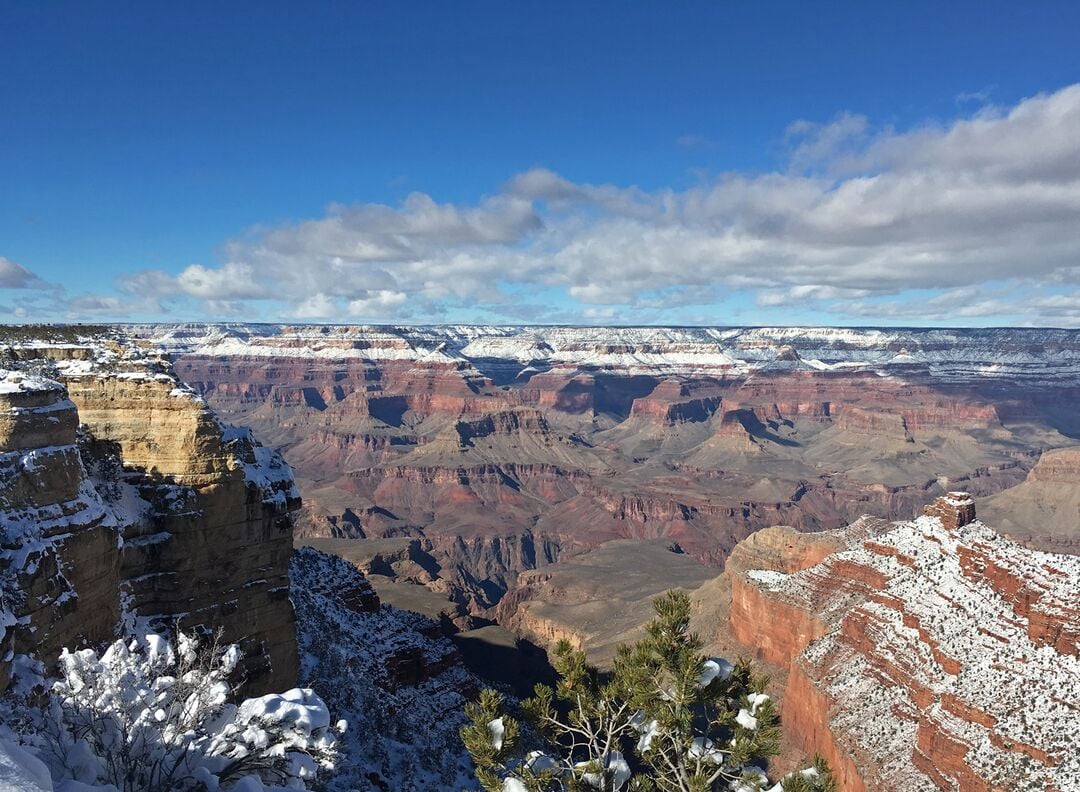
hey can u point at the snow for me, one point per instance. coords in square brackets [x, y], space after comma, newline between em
[21, 771]
[615, 769]
[768, 578]
[406, 735]
[298, 709]
[1040, 356]
[757, 776]
[704, 749]
[142, 711]
[498, 730]
[22, 382]
[648, 730]
[935, 604]
[756, 700]
[540, 762]
[713, 668]
[746, 720]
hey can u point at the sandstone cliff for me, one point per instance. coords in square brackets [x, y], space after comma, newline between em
[933, 654]
[125, 501]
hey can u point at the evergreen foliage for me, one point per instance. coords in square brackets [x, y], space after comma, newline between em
[666, 719]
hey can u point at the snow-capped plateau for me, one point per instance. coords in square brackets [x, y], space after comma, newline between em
[1037, 355]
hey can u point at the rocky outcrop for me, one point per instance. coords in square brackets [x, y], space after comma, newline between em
[50, 515]
[954, 510]
[401, 684]
[932, 654]
[523, 421]
[151, 513]
[587, 435]
[673, 402]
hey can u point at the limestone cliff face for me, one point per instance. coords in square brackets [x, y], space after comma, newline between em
[151, 512]
[931, 654]
[50, 515]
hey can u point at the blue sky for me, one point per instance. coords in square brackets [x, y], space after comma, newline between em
[717, 163]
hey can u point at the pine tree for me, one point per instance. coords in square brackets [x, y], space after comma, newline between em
[666, 719]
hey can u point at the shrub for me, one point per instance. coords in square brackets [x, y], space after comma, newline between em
[147, 718]
[666, 718]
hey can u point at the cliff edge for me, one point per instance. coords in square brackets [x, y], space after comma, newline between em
[932, 654]
[126, 504]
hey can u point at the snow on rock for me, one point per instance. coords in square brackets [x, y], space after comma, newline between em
[1044, 356]
[118, 482]
[298, 709]
[933, 651]
[390, 673]
[21, 771]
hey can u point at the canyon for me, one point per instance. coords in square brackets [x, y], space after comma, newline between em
[546, 483]
[927, 654]
[507, 449]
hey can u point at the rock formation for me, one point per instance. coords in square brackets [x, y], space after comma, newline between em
[932, 654]
[123, 499]
[598, 599]
[401, 684]
[502, 449]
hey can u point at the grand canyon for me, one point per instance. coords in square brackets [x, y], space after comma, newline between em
[540, 397]
[552, 480]
[506, 488]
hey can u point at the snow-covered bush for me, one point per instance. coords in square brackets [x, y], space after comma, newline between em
[666, 719]
[145, 717]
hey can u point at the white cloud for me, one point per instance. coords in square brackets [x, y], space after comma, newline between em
[381, 304]
[234, 281]
[797, 295]
[317, 306]
[858, 214]
[15, 276]
[954, 305]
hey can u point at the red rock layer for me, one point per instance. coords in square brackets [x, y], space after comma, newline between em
[933, 654]
[428, 445]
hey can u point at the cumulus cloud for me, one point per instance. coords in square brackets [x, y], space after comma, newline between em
[1060, 309]
[15, 276]
[857, 214]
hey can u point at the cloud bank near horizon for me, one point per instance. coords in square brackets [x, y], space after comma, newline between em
[969, 221]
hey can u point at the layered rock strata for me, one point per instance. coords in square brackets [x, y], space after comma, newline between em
[499, 463]
[933, 654]
[1043, 511]
[124, 501]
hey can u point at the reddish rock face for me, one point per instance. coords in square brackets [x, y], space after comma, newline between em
[933, 653]
[954, 510]
[391, 441]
